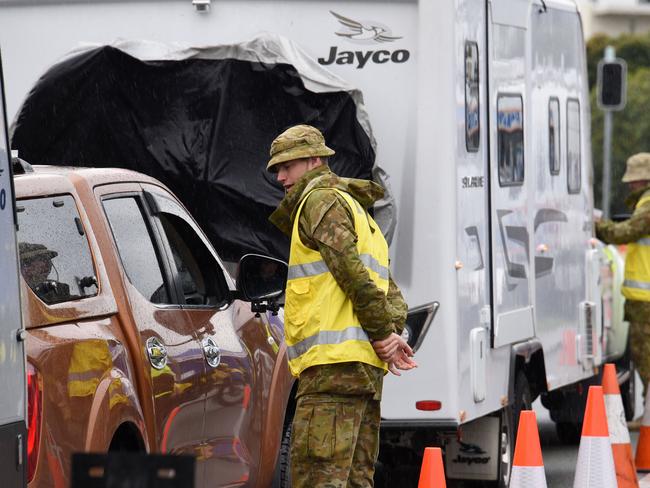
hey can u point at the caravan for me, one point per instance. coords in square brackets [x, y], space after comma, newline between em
[479, 112]
[13, 402]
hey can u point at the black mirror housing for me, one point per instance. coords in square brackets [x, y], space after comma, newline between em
[261, 278]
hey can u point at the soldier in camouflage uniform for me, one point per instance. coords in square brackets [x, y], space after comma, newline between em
[335, 436]
[634, 230]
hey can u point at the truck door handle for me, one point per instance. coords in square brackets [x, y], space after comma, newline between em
[211, 351]
[157, 353]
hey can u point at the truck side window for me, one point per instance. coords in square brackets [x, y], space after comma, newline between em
[472, 112]
[510, 139]
[574, 172]
[554, 135]
[55, 258]
[136, 248]
[200, 275]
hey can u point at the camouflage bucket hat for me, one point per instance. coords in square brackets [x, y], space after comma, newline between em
[638, 168]
[299, 141]
[29, 251]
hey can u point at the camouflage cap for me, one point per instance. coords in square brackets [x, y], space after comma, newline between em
[29, 251]
[638, 168]
[299, 141]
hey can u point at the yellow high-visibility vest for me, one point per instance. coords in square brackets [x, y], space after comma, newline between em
[637, 265]
[321, 326]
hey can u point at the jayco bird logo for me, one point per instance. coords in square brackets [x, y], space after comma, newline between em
[364, 32]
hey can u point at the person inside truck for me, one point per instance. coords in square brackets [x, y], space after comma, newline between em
[36, 266]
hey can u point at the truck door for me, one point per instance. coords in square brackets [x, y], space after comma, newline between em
[13, 428]
[237, 348]
[170, 350]
[510, 174]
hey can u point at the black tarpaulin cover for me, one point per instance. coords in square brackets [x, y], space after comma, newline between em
[202, 124]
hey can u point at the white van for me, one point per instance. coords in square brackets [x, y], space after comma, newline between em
[14, 442]
[480, 114]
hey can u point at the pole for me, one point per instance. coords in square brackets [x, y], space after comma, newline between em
[607, 162]
[610, 55]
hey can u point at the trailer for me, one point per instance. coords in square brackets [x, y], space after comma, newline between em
[14, 445]
[479, 112]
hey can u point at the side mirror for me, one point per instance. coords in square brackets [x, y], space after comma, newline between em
[261, 279]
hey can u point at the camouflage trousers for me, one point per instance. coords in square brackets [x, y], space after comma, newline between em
[640, 349]
[334, 441]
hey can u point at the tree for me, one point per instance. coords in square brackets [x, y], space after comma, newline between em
[632, 125]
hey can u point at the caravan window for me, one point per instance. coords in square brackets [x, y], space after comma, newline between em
[472, 113]
[554, 135]
[573, 146]
[510, 139]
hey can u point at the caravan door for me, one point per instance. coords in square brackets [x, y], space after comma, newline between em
[13, 428]
[510, 174]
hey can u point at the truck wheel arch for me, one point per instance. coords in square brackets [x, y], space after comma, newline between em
[115, 404]
[128, 438]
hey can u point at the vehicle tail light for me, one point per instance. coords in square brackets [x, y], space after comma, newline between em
[34, 407]
[428, 405]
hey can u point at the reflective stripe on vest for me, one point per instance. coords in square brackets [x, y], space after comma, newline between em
[318, 267]
[321, 326]
[637, 265]
[327, 337]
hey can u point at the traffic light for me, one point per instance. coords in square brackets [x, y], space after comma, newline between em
[612, 84]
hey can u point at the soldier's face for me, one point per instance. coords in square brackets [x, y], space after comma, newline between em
[291, 171]
[637, 185]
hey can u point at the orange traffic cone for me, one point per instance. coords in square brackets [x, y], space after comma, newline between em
[619, 436]
[432, 474]
[527, 465]
[595, 467]
[642, 459]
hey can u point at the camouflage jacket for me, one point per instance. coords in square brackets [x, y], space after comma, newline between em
[327, 225]
[630, 230]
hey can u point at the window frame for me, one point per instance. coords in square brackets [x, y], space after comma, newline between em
[158, 245]
[559, 136]
[578, 190]
[150, 193]
[99, 277]
[468, 148]
[499, 96]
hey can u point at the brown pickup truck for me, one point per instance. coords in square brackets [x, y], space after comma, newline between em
[138, 338]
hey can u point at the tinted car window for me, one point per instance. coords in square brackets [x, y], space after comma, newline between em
[55, 259]
[136, 248]
[199, 273]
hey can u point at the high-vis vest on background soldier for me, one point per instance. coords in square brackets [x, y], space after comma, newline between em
[637, 264]
[333, 334]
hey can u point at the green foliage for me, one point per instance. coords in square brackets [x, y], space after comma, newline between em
[631, 128]
[630, 135]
